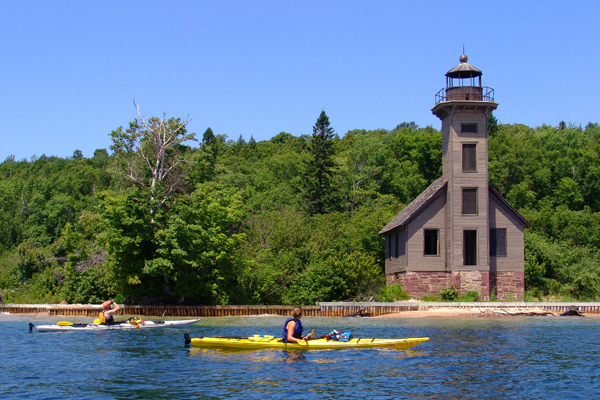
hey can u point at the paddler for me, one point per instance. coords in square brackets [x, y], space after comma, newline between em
[292, 329]
[109, 307]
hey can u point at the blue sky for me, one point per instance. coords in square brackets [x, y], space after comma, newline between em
[71, 69]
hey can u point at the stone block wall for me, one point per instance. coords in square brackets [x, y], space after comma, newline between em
[429, 283]
[422, 283]
[472, 281]
[508, 284]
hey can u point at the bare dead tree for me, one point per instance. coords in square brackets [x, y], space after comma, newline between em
[150, 156]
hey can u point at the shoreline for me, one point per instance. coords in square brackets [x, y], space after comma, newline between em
[441, 312]
[479, 313]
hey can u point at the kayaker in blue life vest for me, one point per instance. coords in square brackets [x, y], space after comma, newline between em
[109, 307]
[292, 329]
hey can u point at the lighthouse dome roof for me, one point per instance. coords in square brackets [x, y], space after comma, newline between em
[464, 69]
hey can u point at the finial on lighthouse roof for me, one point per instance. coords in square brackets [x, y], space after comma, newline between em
[464, 58]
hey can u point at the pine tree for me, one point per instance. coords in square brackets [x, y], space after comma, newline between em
[205, 160]
[320, 167]
[208, 138]
[492, 124]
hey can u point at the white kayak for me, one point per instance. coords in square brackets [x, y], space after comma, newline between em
[133, 323]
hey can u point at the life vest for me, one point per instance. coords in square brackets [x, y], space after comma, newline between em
[297, 332]
[106, 321]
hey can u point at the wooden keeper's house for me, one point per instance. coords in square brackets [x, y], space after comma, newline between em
[459, 230]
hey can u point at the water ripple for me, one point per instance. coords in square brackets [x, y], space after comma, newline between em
[531, 358]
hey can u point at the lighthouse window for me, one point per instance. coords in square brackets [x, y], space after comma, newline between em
[469, 247]
[469, 157]
[388, 239]
[401, 244]
[395, 245]
[469, 201]
[432, 245]
[469, 128]
[498, 242]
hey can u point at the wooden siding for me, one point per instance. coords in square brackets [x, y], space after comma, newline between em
[459, 180]
[431, 217]
[395, 264]
[502, 217]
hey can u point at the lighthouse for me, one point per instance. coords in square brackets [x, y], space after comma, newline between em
[459, 231]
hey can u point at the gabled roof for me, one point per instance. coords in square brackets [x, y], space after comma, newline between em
[416, 205]
[422, 200]
[511, 208]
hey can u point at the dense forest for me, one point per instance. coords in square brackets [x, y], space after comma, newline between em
[167, 216]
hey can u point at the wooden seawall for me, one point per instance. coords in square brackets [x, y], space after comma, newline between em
[92, 310]
[334, 309]
[377, 309]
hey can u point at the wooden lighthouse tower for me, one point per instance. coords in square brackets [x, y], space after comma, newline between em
[463, 106]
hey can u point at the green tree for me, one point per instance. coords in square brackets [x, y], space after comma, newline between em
[197, 252]
[362, 170]
[281, 137]
[411, 161]
[77, 155]
[205, 159]
[318, 181]
[129, 240]
[208, 138]
[492, 124]
[192, 255]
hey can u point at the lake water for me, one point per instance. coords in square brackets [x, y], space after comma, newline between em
[529, 357]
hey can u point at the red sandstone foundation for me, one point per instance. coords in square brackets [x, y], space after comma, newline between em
[428, 283]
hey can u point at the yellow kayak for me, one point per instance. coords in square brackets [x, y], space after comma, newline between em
[268, 341]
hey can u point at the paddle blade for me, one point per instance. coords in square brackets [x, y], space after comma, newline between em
[64, 323]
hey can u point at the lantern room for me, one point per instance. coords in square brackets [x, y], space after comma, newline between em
[463, 83]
